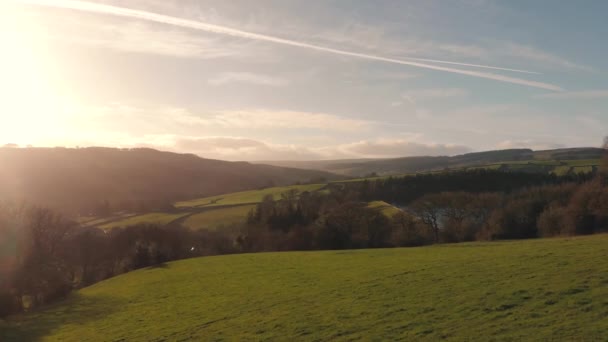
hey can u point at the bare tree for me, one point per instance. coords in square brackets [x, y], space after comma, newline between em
[428, 209]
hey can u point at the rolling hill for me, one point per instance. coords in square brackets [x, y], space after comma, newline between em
[83, 180]
[515, 157]
[207, 212]
[546, 289]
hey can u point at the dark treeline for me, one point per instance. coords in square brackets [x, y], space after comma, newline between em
[45, 256]
[403, 190]
[343, 218]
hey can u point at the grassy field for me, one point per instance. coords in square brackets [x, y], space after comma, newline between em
[553, 289]
[386, 208]
[159, 218]
[246, 197]
[213, 219]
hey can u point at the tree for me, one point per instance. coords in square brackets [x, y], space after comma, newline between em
[604, 164]
[407, 232]
[429, 209]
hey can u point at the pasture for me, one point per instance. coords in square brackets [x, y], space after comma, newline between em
[215, 218]
[545, 289]
[246, 197]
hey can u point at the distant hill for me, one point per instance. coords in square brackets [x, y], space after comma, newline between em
[87, 179]
[363, 167]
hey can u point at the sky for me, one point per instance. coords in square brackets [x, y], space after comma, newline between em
[304, 80]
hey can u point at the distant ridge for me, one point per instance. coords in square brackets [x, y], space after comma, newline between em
[362, 167]
[79, 179]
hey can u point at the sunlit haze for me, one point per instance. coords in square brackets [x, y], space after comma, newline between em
[300, 80]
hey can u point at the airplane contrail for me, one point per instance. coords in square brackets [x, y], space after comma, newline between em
[471, 65]
[196, 25]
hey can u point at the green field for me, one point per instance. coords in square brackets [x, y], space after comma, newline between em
[215, 213]
[213, 219]
[552, 289]
[159, 218]
[246, 197]
[385, 208]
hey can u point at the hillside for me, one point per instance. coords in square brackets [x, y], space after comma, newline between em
[108, 179]
[207, 212]
[549, 289]
[545, 161]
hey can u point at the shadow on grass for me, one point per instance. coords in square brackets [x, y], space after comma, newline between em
[161, 266]
[74, 310]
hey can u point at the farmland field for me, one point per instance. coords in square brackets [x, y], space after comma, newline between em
[212, 219]
[384, 207]
[158, 218]
[546, 289]
[246, 197]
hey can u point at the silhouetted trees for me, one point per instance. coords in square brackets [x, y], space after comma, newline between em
[45, 256]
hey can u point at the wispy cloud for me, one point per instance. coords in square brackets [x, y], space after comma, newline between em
[434, 93]
[196, 25]
[576, 95]
[285, 119]
[248, 77]
[531, 144]
[148, 120]
[242, 148]
[387, 148]
[535, 54]
[129, 38]
[380, 41]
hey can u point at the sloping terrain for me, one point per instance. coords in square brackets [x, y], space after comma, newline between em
[85, 179]
[207, 212]
[551, 289]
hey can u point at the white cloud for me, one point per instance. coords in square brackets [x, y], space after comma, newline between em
[285, 119]
[152, 120]
[239, 148]
[531, 144]
[248, 77]
[387, 148]
[576, 95]
[532, 53]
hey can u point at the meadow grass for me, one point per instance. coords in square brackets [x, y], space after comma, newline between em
[549, 289]
[582, 169]
[214, 218]
[157, 218]
[562, 170]
[584, 162]
[387, 209]
[246, 197]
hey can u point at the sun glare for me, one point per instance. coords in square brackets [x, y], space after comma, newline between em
[30, 105]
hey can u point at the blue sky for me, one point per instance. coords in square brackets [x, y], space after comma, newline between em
[261, 80]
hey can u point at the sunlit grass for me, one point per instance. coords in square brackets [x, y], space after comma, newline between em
[212, 219]
[246, 197]
[553, 289]
[384, 207]
[154, 218]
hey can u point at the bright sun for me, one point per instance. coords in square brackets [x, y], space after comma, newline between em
[29, 105]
